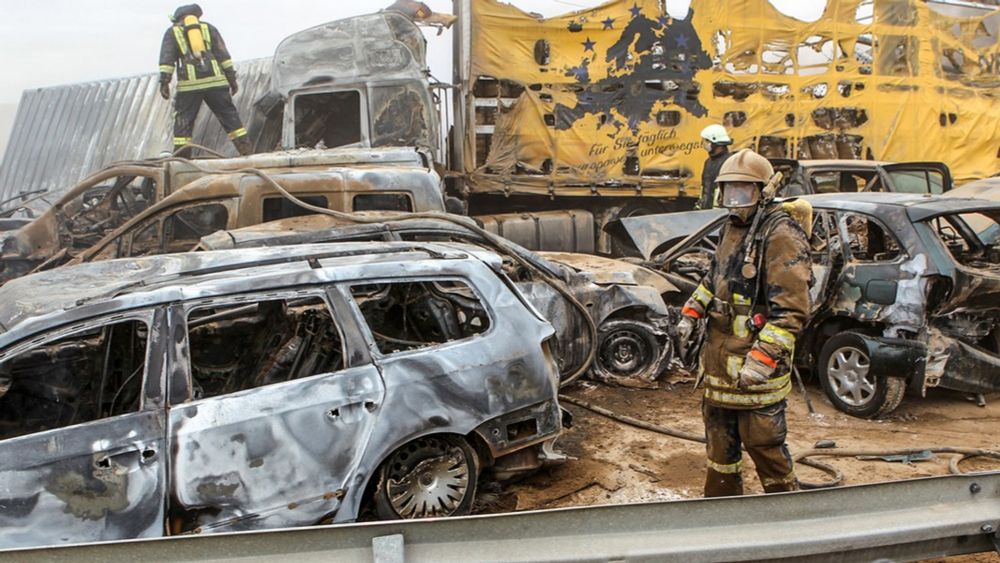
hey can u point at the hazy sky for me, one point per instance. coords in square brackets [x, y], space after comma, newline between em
[50, 42]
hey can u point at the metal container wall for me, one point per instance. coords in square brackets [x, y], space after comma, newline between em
[64, 133]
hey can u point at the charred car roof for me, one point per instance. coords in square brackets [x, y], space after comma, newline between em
[919, 207]
[130, 283]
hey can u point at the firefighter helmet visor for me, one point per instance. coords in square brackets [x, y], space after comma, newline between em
[740, 194]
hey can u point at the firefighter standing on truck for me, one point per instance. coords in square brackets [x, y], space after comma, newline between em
[754, 310]
[204, 73]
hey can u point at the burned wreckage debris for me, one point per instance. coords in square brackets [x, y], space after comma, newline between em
[385, 376]
[906, 292]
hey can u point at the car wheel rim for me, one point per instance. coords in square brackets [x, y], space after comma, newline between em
[624, 353]
[849, 373]
[428, 478]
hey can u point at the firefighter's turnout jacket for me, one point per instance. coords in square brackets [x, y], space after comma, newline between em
[779, 292]
[210, 71]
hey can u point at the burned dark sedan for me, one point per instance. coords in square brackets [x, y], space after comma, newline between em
[625, 301]
[906, 294]
[264, 388]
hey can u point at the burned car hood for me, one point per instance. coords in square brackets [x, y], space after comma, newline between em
[609, 271]
[652, 234]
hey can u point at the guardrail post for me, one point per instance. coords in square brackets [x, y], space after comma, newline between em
[388, 549]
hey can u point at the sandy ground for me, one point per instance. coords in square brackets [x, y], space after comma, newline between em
[619, 463]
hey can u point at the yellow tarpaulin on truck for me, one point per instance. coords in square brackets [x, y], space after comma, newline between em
[619, 93]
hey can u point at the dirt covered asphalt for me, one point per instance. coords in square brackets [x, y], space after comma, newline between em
[617, 463]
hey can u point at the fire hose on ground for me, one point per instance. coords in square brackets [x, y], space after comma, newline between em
[803, 457]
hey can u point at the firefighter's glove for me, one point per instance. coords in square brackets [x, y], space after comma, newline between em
[165, 89]
[685, 331]
[233, 86]
[753, 372]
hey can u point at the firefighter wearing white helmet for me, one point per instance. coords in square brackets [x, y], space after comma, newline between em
[753, 310]
[716, 141]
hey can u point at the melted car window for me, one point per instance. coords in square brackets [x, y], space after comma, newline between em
[105, 207]
[247, 345]
[410, 315]
[75, 379]
[382, 202]
[973, 239]
[869, 241]
[184, 229]
[277, 207]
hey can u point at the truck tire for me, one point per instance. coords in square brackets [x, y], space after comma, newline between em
[844, 372]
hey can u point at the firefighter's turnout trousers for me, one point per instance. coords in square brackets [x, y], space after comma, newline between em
[187, 104]
[736, 412]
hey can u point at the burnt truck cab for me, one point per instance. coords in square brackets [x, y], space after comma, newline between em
[265, 388]
[804, 177]
[355, 82]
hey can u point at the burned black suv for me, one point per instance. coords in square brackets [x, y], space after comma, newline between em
[906, 294]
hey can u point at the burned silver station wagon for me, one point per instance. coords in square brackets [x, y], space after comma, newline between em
[264, 388]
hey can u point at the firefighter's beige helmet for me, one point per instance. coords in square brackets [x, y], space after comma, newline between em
[745, 166]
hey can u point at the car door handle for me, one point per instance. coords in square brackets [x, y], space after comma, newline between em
[335, 413]
[126, 457]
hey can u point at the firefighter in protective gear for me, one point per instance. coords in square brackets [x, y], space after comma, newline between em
[717, 142]
[205, 72]
[754, 312]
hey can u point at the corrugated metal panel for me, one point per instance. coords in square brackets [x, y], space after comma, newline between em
[63, 134]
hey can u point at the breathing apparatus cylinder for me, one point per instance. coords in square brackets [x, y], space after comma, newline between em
[192, 27]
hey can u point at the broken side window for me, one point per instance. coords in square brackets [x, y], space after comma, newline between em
[826, 255]
[251, 344]
[382, 202]
[278, 207]
[105, 207]
[399, 117]
[868, 240]
[328, 119]
[146, 240]
[411, 315]
[182, 230]
[841, 182]
[94, 373]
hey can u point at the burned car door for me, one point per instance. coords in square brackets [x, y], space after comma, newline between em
[875, 272]
[272, 411]
[826, 254]
[82, 434]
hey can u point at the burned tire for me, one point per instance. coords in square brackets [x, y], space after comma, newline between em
[428, 477]
[626, 349]
[844, 371]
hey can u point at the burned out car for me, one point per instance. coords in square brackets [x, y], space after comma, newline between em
[184, 197]
[851, 176]
[906, 295]
[625, 301]
[264, 388]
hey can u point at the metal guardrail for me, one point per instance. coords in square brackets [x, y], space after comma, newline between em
[905, 520]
